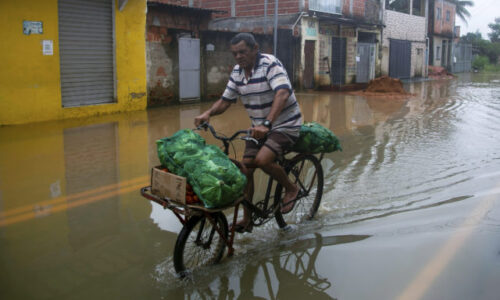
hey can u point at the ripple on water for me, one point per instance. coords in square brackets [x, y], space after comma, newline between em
[416, 160]
[430, 154]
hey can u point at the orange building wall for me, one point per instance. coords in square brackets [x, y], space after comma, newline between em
[442, 26]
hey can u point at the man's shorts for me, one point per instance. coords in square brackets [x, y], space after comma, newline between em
[277, 141]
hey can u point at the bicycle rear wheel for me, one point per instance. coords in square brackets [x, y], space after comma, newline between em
[199, 243]
[306, 172]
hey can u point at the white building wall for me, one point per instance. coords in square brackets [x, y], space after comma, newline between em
[404, 27]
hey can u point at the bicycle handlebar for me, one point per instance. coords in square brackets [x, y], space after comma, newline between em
[206, 125]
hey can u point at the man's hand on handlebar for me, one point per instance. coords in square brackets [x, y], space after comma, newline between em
[203, 118]
[259, 132]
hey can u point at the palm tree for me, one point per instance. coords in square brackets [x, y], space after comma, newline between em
[461, 9]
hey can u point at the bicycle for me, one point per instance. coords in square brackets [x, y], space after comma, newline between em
[201, 224]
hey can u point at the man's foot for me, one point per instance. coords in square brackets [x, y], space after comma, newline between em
[242, 226]
[289, 199]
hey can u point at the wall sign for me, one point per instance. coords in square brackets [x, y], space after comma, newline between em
[32, 27]
[311, 31]
[47, 47]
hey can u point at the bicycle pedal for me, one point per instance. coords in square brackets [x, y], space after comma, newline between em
[289, 228]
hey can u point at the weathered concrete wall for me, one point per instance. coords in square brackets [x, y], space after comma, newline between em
[378, 47]
[326, 32]
[309, 32]
[325, 51]
[162, 66]
[438, 58]
[403, 27]
[418, 60]
[30, 81]
[187, 3]
[441, 25]
[218, 61]
[322, 35]
[251, 8]
[164, 27]
[367, 10]
[351, 43]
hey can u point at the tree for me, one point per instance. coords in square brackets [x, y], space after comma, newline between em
[472, 37]
[461, 9]
[483, 47]
[495, 31]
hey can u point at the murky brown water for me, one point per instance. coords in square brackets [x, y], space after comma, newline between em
[410, 208]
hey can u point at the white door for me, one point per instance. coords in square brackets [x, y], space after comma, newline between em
[189, 69]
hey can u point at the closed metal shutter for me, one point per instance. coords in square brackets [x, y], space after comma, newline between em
[399, 58]
[86, 52]
[339, 50]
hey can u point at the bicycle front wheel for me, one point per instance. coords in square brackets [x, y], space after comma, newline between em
[306, 172]
[200, 242]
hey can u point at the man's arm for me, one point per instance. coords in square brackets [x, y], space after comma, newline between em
[278, 103]
[217, 108]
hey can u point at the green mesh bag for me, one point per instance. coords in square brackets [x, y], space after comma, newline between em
[214, 177]
[315, 138]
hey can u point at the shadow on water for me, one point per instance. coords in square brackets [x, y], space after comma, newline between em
[286, 273]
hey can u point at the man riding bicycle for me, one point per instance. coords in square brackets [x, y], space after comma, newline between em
[264, 88]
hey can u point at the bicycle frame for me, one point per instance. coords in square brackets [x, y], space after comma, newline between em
[184, 211]
[282, 161]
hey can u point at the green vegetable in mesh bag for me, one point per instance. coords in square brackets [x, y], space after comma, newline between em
[215, 179]
[315, 138]
[183, 141]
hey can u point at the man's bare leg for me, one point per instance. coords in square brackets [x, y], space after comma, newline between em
[249, 190]
[265, 160]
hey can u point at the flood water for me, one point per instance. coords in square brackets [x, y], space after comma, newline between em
[410, 208]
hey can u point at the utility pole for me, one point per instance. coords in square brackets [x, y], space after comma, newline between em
[275, 27]
[265, 16]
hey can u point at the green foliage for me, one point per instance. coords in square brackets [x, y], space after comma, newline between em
[492, 68]
[480, 62]
[215, 179]
[495, 31]
[461, 9]
[315, 138]
[492, 50]
[483, 47]
[472, 37]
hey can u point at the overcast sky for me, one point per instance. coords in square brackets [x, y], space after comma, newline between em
[482, 13]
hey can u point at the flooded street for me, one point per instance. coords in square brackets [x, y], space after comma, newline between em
[410, 208]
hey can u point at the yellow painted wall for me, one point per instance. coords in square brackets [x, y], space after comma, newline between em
[30, 81]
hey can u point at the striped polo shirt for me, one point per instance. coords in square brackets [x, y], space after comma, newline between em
[257, 93]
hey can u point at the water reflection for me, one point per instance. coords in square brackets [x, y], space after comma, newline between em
[71, 217]
[287, 274]
[90, 159]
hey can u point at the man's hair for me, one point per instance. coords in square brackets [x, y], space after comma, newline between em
[246, 37]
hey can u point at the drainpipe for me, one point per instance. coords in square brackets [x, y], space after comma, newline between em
[427, 42]
[381, 47]
[297, 21]
[275, 27]
[343, 58]
[427, 57]
[265, 16]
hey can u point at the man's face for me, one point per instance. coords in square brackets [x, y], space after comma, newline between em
[244, 55]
